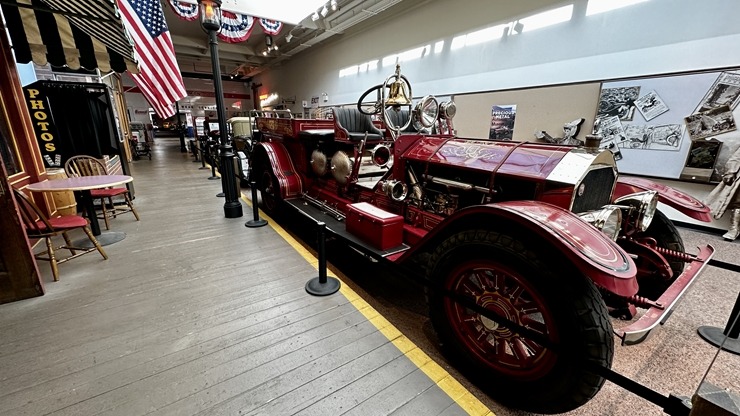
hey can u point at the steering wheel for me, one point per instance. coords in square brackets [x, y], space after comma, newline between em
[370, 109]
[400, 86]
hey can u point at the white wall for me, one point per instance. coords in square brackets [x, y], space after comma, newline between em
[654, 37]
[650, 38]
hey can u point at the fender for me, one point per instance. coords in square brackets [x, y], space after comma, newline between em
[282, 166]
[684, 203]
[592, 252]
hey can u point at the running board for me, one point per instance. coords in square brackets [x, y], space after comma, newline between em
[338, 228]
[639, 330]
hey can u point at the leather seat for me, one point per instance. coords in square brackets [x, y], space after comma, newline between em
[399, 118]
[350, 124]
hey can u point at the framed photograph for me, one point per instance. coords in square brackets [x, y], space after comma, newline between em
[710, 123]
[701, 160]
[724, 91]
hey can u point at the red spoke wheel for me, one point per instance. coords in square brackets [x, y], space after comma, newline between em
[506, 293]
[269, 191]
[541, 293]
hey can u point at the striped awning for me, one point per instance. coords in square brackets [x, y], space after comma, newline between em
[72, 33]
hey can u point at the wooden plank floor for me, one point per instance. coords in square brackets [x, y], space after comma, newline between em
[195, 314]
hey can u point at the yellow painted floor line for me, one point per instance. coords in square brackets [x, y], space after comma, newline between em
[457, 392]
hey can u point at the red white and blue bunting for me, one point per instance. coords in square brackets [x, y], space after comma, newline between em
[235, 28]
[271, 27]
[185, 11]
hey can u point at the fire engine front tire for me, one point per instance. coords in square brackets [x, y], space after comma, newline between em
[500, 274]
[269, 191]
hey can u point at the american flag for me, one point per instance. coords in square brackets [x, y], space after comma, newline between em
[159, 77]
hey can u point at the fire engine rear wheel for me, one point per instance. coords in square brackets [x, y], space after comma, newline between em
[501, 275]
[269, 191]
[666, 236]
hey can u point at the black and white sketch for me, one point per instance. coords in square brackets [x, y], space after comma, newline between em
[651, 105]
[661, 137]
[724, 91]
[619, 101]
[710, 123]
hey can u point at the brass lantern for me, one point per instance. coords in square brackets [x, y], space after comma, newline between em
[210, 14]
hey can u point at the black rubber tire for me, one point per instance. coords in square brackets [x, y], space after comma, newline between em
[666, 236]
[269, 191]
[568, 303]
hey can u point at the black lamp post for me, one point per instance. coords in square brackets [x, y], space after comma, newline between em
[210, 20]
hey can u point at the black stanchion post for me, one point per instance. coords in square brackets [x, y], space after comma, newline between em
[201, 147]
[727, 339]
[212, 162]
[256, 222]
[322, 285]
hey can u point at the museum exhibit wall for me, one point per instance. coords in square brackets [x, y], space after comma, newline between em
[653, 37]
[555, 71]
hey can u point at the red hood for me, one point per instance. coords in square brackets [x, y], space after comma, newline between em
[523, 159]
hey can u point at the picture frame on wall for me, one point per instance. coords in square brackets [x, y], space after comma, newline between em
[724, 91]
[701, 159]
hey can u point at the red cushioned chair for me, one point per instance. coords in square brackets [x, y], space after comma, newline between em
[89, 166]
[39, 226]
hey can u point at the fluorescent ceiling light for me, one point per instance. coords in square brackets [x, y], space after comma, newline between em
[287, 11]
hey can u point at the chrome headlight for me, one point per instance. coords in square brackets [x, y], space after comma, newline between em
[447, 110]
[607, 219]
[642, 206]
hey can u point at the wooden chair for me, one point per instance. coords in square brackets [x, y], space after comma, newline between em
[38, 225]
[89, 166]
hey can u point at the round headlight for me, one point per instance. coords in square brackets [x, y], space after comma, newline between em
[642, 207]
[448, 109]
[607, 219]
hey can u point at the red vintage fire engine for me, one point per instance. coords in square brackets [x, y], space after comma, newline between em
[527, 247]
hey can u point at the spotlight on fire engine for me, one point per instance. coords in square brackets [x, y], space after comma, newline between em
[334, 6]
[315, 16]
[607, 219]
[324, 11]
[641, 208]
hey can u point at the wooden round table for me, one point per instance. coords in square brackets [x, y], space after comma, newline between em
[82, 186]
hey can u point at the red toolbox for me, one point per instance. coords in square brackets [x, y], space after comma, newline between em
[382, 229]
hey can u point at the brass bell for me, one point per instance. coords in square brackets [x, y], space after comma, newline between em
[398, 94]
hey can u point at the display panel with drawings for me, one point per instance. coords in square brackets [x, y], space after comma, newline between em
[660, 125]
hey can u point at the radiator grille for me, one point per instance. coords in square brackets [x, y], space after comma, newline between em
[598, 191]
